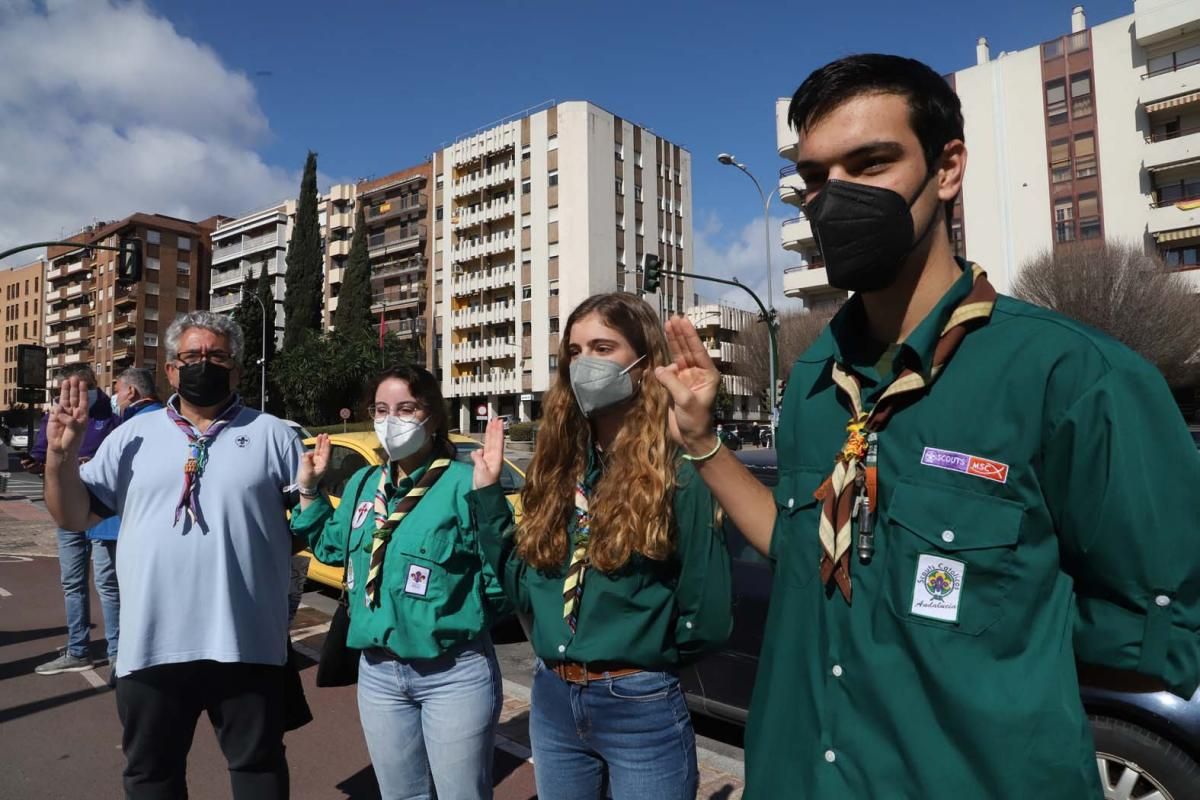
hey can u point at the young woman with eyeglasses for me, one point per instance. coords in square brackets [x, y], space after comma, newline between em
[420, 599]
[620, 559]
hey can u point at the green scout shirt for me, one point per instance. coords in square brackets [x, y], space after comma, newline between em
[436, 592]
[1071, 535]
[649, 614]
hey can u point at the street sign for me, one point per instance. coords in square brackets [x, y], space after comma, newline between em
[344, 414]
[527, 397]
[481, 411]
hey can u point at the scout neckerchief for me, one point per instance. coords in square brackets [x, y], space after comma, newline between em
[387, 523]
[198, 444]
[853, 486]
[573, 583]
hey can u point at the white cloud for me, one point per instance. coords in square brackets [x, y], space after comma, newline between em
[105, 110]
[727, 252]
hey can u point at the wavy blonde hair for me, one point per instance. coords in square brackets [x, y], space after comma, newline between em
[631, 505]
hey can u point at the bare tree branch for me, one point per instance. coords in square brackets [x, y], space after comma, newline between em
[797, 331]
[1118, 289]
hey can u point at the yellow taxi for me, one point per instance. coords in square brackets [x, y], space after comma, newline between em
[350, 452]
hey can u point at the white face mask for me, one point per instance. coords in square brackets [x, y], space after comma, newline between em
[401, 437]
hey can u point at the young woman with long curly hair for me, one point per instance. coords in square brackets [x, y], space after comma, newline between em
[619, 559]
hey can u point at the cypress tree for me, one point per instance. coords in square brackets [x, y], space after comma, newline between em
[354, 300]
[304, 281]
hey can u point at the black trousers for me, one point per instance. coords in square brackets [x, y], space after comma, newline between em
[159, 707]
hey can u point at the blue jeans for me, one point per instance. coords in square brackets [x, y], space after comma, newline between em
[431, 723]
[631, 735]
[73, 552]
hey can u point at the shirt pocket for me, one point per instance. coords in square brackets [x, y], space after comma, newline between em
[950, 546]
[424, 562]
[795, 545]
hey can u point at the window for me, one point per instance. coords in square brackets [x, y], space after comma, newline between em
[554, 324]
[1182, 257]
[552, 178]
[620, 186]
[553, 363]
[1166, 129]
[637, 158]
[637, 193]
[1173, 61]
[1060, 160]
[152, 288]
[525, 155]
[526, 186]
[552, 250]
[552, 142]
[150, 339]
[1081, 94]
[152, 264]
[1064, 220]
[440, 214]
[1176, 191]
[153, 237]
[619, 151]
[1089, 216]
[183, 243]
[1056, 102]
[526, 292]
[183, 267]
[1085, 155]
[554, 288]
[1052, 49]
[552, 214]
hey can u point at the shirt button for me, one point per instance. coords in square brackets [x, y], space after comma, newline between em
[947, 536]
[830, 756]
[1162, 601]
[562, 648]
[688, 624]
[791, 502]
[837, 670]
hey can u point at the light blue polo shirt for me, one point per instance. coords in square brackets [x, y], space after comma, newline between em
[216, 590]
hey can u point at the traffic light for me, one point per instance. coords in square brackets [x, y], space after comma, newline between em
[651, 273]
[129, 265]
[780, 385]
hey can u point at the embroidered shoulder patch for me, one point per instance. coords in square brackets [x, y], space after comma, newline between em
[962, 462]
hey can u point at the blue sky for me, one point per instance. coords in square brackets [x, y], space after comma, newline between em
[374, 86]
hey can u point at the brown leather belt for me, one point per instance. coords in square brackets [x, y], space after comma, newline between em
[574, 672]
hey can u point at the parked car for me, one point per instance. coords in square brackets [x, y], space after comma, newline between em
[1147, 741]
[20, 441]
[730, 438]
[350, 452]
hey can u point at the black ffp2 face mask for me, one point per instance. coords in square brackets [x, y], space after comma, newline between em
[204, 384]
[864, 233]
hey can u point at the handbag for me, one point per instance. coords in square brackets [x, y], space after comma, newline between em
[338, 665]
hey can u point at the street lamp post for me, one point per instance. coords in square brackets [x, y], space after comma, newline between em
[770, 316]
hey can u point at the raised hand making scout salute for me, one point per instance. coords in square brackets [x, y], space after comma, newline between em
[973, 492]
[619, 558]
[421, 601]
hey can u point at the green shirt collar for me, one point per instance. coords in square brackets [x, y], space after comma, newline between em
[410, 480]
[853, 347]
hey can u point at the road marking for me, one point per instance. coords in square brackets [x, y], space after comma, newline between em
[5, 592]
[10, 558]
[514, 748]
[311, 630]
[95, 680]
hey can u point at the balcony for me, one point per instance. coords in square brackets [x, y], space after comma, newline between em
[53, 339]
[339, 247]
[396, 207]
[79, 356]
[497, 381]
[726, 352]
[223, 303]
[484, 246]
[486, 143]
[494, 278]
[786, 138]
[1174, 216]
[737, 385]
[55, 316]
[797, 234]
[335, 276]
[486, 349]
[226, 278]
[76, 312]
[1172, 149]
[808, 283]
[1160, 20]
[342, 220]
[488, 212]
[249, 245]
[791, 186]
[405, 328]
[415, 266]
[125, 321]
[125, 295]
[395, 240]
[77, 334]
[398, 296]
[1166, 85]
[341, 193]
[492, 176]
[488, 314]
[122, 348]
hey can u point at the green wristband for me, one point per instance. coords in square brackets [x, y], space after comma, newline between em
[707, 455]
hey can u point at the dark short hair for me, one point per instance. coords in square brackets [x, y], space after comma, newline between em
[935, 112]
[83, 371]
[140, 379]
[427, 390]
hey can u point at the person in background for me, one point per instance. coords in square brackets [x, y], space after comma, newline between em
[134, 394]
[75, 549]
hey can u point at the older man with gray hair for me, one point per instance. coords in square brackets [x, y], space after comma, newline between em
[203, 563]
[134, 393]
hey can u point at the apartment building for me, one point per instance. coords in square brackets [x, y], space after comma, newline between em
[719, 327]
[23, 306]
[1094, 134]
[397, 215]
[91, 319]
[533, 214]
[255, 244]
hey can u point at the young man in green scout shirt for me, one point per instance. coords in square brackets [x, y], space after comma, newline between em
[974, 492]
